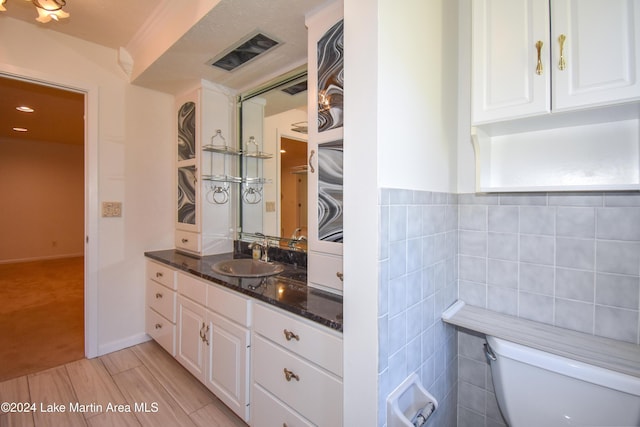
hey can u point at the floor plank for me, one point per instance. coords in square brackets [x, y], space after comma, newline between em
[93, 386]
[190, 394]
[15, 390]
[52, 387]
[114, 419]
[216, 416]
[140, 387]
[141, 374]
[120, 361]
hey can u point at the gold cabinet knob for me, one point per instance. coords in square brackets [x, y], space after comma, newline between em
[290, 335]
[289, 375]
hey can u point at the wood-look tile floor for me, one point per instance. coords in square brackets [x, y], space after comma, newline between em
[138, 386]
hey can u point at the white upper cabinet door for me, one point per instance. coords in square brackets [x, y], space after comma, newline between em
[600, 52]
[507, 79]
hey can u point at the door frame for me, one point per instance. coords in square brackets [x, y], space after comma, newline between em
[91, 211]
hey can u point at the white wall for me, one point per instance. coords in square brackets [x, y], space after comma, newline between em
[128, 127]
[42, 188]
[418, 103]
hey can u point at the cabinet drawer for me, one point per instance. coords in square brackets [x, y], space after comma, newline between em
[161, 330]
[315, 394]
[162, 300]
[267, 411]
[188, 241]
[315, 343]
[325, 270]
[192, 288]
[161, 274]
[230, 305]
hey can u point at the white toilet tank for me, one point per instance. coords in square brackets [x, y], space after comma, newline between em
[536, 389]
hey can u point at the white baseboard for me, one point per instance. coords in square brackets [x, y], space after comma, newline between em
[112, 346]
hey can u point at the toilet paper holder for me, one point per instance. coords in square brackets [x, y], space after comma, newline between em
[410, 405]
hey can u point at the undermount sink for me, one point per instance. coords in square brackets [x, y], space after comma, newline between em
[247, 268]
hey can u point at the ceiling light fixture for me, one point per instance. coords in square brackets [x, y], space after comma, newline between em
[20, 129]
[25, 109]
[47, 9]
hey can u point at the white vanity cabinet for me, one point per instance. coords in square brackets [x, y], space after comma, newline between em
[531, 57]
[556, 95]
[203, 207]
[297, 371]
[325, 147]
[160, 312]
[213, 339]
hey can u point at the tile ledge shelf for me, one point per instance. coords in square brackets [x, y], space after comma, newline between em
[598, 351]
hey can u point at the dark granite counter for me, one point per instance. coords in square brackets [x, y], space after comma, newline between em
[287, 291]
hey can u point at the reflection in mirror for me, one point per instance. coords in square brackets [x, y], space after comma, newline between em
[273, 199]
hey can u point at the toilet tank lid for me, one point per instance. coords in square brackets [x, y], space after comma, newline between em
[565, 366]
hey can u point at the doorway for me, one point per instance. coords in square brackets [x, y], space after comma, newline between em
[42, 180]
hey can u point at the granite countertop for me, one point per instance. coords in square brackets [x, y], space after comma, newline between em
[287, 291]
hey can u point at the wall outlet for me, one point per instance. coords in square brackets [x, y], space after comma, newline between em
[111, 209]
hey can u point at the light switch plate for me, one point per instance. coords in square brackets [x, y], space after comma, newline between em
[270, 206]
[111, 209]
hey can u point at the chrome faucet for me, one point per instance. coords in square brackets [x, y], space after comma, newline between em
[296, 237]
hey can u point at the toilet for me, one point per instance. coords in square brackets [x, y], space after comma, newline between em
[535, 389]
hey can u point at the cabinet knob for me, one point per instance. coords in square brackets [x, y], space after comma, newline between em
[158, 295]
[203, 333]
[290, 375]
[159, 275]
[340, 276]
[291, 336]
[158, 326]
[185, 240]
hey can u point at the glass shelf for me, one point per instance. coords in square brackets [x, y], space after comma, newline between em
[222, 149]
[222, 178]
[257, 155]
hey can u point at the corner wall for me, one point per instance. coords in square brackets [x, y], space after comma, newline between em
[132, 151]
[418, 281]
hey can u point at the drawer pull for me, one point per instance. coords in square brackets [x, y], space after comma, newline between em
[291, 336]
[185, 240]
[158, 326]
[158, 295]
[340, 276]
[159, 275]
[289, 375]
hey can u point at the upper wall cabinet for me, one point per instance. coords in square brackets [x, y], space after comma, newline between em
[531, 57]
[205, 161]
[555, 94]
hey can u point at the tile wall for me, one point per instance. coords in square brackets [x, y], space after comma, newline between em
[418, 281]
[569, 260]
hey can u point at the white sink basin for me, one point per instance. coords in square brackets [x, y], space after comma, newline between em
[247, 268]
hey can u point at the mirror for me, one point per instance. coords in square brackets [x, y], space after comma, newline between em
[273, 131]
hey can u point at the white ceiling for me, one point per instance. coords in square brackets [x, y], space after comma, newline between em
[115, 23]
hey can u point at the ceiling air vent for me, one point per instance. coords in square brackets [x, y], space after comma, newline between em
[245, 52]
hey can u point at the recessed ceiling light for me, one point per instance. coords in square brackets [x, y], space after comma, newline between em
[25, 109]
[283, 151]
[20, 129]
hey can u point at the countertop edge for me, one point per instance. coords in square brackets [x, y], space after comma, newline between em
[606, 353]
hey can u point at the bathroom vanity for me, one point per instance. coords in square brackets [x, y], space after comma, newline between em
[270, 348]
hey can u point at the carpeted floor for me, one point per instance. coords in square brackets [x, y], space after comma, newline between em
[41, 315]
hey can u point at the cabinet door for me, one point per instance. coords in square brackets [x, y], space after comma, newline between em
[505, 80]
[192, 331]
[325, 190]
[228, 363]
[600, 52]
